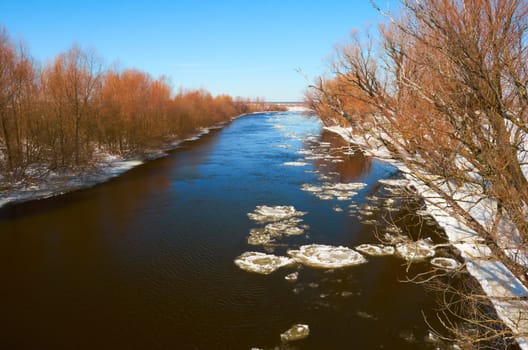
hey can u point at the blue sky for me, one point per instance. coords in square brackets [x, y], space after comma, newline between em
[243, 48]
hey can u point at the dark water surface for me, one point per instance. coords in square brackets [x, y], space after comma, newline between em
[145, 261]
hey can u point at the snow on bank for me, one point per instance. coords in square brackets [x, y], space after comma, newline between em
[107, 167]
[56, 183]
[507, 294]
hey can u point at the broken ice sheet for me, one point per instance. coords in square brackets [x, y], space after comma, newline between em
[325, 256]
[416, 251]
[264, 213]
[262, 263]
[375, 249]
[259, 236]
[287, 227]
[296, 332]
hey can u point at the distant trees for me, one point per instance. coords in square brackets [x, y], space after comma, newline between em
[63, 116]
[444, 91]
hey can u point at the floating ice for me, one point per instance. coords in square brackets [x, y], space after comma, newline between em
[350, 186]
[339, 191]
[285, 227]
[295, 163]
[265, 235]
[311, 188]
[296, 332]
[259, 236]
[264, 213]
[325, 256]
[292, 277]
[375, 249]
[261, 263]
[325, 197]
[445, 263]
[415, 251]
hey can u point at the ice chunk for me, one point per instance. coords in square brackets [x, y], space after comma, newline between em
[350, 186]
[262, 263]
[311, 188]
[375, 249]
[286, 227]
[295, 163]
[325, 197]
[325, 256]
[264, 213]
[445, 263]
[415, 251]
[292, 277]
[259, 236]
[296, 332]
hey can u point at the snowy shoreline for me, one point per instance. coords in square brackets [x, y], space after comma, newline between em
[506, 292]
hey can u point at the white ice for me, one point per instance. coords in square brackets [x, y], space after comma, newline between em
[262, 263]
[415, 251]
[292, 277]
[325, 256]
[296, 332]
[297, 163]
[264, 213]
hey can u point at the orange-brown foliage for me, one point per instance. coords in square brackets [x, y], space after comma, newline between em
[63, 116]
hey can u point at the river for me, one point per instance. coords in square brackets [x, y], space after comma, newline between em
[146, 260]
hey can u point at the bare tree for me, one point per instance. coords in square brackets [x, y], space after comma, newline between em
[446, 86]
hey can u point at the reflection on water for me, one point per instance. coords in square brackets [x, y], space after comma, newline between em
[336, 159]
[146, 261]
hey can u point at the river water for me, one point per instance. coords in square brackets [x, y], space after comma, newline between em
[146, 260]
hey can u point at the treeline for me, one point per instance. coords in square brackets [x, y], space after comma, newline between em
[66, 113]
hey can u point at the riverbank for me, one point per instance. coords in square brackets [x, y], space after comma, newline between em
[505, 291]
[105, 168]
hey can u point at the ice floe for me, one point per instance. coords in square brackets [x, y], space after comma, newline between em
[338, 191]
[286, 227]
[445, 263]
[297, 163]
[325, 256]
[264, 213]
[296, 332]
[292, 277]
[415, 251]
[262, 263]
[375, 249]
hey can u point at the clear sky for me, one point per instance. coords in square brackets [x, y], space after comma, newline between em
[243, 48]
